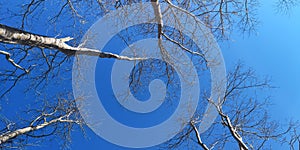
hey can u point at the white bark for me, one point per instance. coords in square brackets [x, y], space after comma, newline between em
[16, 36]
[13, 134]
[233, 131]
[198, 136]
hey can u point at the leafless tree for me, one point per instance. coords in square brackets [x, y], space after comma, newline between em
[243, 119]
[48, 119]
[294, 139]
[36, 57]
[286, 6]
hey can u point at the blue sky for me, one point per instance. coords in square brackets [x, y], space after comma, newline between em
[273, 51]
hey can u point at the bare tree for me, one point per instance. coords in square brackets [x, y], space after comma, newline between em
[286, 6]
[49, 119]
[294, 139]
[36, 57]
[243, 119]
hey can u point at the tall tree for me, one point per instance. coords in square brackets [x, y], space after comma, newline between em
[39, 38]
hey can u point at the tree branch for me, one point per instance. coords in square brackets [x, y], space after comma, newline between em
[8, 58]
[232, 129]
[158, 16]
[16, 36]
[13, 134]
[198, 136]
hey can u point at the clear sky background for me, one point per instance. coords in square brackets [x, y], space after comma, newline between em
[273, 51]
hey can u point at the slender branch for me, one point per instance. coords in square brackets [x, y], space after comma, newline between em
[9, 59]
[198, 136]
[232, 130]
[183, 47]
[73, 9]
